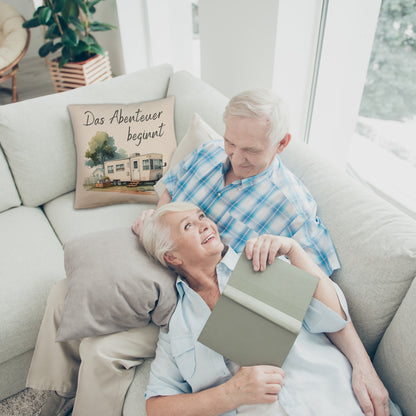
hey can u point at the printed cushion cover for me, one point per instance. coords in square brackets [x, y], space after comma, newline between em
[122, 151]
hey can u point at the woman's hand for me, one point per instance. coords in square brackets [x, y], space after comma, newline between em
[264, 249]
[255, 385]
[141, 219]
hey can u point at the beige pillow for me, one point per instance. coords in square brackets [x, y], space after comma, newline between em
[122, 151]
[198, 133]
[113, 285]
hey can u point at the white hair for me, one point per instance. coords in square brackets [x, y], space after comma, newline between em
[261, 103]
[156, 235]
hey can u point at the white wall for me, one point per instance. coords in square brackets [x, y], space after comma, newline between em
[238, 42]
[170, 33]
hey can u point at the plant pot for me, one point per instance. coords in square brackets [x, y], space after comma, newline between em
[78, 74]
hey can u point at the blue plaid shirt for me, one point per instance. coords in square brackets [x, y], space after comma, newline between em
[272, 202]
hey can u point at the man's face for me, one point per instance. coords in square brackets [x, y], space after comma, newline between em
[248, 147]
[195, 236]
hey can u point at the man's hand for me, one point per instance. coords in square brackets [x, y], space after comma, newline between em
[140, 220]
[264, 249]
[370, 392]
[255, 385]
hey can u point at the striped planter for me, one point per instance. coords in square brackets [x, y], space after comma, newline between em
[78, 74]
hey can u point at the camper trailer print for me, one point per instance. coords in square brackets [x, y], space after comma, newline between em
[135, 169]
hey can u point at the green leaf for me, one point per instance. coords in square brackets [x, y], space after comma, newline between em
[57, 46]
[77, 23]
[100, 27]
[62, 61]
[66, 52]
[70, 9]
[70, 37]
[96, 48]
[34, 22]
[82, 6]
[52, 32]
[44, 15]
[58, 5]
[45, 49]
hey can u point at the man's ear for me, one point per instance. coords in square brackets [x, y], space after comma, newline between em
[283, 143]
[170, 258]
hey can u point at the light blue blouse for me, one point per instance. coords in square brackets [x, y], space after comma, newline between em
[317, 375]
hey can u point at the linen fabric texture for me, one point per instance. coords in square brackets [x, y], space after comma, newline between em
[113, 285]
[198, 132]
[122, 150]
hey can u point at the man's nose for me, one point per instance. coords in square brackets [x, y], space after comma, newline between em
[237, 156]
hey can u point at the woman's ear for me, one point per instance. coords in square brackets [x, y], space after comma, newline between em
[170, 258]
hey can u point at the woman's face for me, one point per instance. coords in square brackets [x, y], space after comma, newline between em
[195, 236]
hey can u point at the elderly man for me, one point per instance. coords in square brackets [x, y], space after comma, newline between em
[243, 186]
[246, 190]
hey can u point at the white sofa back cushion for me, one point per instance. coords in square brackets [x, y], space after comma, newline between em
[194, 96]
[375, 242]
[9, 197]
[52, 172]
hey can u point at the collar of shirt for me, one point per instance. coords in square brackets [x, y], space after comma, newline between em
[252, 180]
[224, 269]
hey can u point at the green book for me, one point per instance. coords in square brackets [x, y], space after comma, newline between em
[259, 314]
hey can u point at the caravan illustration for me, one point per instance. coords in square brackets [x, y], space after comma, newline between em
[134, 170]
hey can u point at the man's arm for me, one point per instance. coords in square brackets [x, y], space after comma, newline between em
[144, 215]
[368, 388]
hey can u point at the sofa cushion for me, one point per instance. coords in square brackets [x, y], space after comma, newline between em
[195, 96]
[113, 286]
[70, 223]
[118, 144]
[198, 133]
[134, 404]
[52, 172]
[394, 359]
[374, 241]
[9, 196]
[31, 259]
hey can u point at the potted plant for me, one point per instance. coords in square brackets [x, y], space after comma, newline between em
[68, 30]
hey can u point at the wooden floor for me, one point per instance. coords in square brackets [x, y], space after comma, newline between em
[33, 80]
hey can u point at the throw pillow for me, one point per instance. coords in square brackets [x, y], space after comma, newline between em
[122, 150]
[198, 133]
[113, 285]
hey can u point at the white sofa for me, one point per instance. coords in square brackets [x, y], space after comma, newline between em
[376, 244]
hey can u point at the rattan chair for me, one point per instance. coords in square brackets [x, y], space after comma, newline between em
[14, 42]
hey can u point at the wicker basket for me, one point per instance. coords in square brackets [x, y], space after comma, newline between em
[78, 74]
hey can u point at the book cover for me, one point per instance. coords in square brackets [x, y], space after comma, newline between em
[259, 314]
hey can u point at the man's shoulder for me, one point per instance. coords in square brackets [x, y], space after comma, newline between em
[210, 151]
[288, 183]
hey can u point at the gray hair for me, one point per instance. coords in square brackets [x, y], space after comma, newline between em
[156, 236]
[261, 103]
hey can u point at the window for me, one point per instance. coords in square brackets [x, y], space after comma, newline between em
[110, 169]
[120, 167]
[157, 163]
[383, 147]
[135, 164]
[146, 164]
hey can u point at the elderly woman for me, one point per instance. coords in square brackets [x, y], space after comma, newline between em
[188, 378]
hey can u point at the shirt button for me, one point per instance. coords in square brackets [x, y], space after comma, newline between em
[219, 194]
